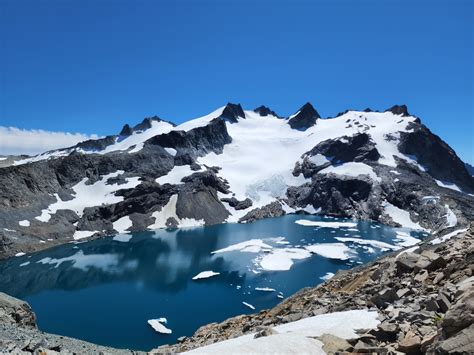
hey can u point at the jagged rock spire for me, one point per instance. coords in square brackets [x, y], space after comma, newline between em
[305, 118]
[265, 111]
[399, 110]
[126, 131]
[232, 112]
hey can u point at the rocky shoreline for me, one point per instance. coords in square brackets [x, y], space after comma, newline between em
[424, 297]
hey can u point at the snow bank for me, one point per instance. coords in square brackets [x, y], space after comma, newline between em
[96, 194]
[175, 175]
[308, 223]
[83, 234]
[169, 211]
[297, 337]
[400, 216]
[123, 224]
[351, 169]
[451, 218]
[448, 185]
[24, 223]
[205, 275]
[327, 276]
[448, 236]
[157, 325]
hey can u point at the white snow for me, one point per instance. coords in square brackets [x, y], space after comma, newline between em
[308, 223]
[331, 250]
[83, 234]
[405, 240]
[169, 211]
[20, 254]
[123, 224]
[96, 194]
[24, 223]
[175, 175]
[205, 275]
[171, 151]
[282, 259]
[451, 218]
[400, 216]
[265, 289]
[327, 276]
[200, 121]
[297, 336]
[137, 138]
[448, 185]
[318, 159]
[353, 169]
[447, 236]
[157, 325]
[249, 246]
[248, 305]
[375, 243]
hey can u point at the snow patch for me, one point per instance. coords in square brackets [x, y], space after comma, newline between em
[447, 236]
[451, 218]
[24, 223]
[205, 275]
[400, 216]
[122, 225]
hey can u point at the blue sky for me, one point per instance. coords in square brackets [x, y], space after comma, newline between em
[91, 66]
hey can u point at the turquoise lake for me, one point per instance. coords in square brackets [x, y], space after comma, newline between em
[104, 291]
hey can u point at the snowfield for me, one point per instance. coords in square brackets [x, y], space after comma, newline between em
[297, 335]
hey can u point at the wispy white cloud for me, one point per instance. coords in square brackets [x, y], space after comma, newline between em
[22, 141]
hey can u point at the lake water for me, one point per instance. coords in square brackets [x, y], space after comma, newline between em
[105, 291]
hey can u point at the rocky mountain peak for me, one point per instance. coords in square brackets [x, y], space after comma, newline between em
[265, 111]
[305, 118]
[399, 110]
[232, 112]
[126, 131]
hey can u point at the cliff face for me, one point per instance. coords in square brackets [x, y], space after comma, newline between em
[424, 299]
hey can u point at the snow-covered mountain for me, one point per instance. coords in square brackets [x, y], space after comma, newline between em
[236, 165]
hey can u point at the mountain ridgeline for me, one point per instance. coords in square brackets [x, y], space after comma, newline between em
[236, 165]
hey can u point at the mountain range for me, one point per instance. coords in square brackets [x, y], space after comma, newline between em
[236, 165]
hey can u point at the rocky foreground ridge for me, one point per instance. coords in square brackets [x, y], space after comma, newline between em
[236, 165]
[424, 297]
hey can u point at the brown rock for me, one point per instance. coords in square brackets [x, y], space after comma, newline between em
[410, 344]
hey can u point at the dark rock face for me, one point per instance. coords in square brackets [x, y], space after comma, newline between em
[96, 144]
[399, 110]
[273, 209]
[196, 142]
[435, 155]
[126, 131]
[358, 148]
[238, 205]
[305, 118]
[232, 112]
[265, 111]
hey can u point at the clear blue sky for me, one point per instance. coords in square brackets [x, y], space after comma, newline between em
[91, 66]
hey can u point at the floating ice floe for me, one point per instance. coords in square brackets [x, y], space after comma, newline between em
[248, 305]
[157, 325]
[205, 275]
[405, 240]
[25, 263]
[265, 289]
[331, 250]
[308, 223]
[282, 259]
[375, 243]
[327, 276]
[249, 246]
